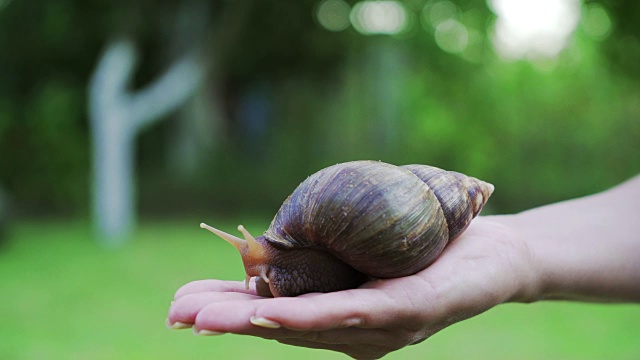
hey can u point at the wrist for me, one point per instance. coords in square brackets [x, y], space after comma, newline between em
[582, 249]
[527, 271]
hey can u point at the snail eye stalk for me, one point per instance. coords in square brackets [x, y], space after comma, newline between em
[256, 250]
[237, 243]
[253, 253]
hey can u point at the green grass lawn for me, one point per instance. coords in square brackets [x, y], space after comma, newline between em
[65, 297]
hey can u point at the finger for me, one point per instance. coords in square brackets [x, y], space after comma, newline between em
[238, 316]
[366, 308]
[215, 285]
[185, 308]
[234, 315]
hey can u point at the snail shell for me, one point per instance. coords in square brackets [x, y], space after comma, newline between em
[361, 219]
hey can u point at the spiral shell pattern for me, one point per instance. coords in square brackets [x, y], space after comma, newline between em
[383, 220]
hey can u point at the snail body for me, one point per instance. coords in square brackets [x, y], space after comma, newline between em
[356, 220]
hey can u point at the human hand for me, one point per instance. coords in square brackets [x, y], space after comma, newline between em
[488, 265]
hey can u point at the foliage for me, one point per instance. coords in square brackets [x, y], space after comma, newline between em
[541, 131]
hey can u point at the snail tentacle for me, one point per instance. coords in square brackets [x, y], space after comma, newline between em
[238, 243]
[255, 249]
[254, 254]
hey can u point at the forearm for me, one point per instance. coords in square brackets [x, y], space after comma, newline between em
[587, 248]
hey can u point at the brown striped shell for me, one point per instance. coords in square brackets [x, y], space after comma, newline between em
[383, 220]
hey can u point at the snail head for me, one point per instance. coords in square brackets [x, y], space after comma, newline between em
[255, 256]
[289, 272]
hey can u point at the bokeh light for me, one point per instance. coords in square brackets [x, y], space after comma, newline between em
[333, 15]
[435, 12]
[452, 36]
[595, 21]
[379, 17]
[533, 28]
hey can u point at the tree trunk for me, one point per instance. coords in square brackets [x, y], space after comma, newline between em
[117, 116]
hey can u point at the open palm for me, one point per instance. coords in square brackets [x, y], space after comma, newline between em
[486, 266]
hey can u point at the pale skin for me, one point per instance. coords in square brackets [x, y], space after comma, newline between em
[586, 249]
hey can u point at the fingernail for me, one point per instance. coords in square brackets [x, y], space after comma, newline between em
[263, 322]
[204, 332]
[176, 325]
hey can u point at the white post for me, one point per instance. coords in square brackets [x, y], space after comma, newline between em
[117, 116]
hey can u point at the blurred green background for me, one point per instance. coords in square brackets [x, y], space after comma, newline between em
[541, 98]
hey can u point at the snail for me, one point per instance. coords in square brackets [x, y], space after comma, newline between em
[358, 220]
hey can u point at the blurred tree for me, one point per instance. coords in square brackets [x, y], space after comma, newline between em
[116, 118]
[195, 126]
